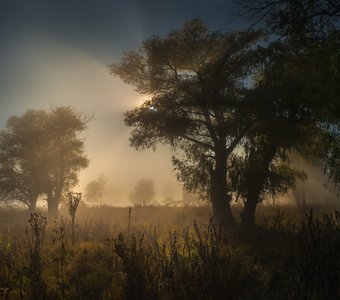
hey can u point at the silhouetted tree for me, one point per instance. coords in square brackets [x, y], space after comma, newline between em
[302, 71]
[22, 156]
[299, 17]
[42, 153]
[285, 120]
[95, 190]
[67, 151]
[143, 192]
[72, 203]
[221, 100]
[92, 192]
[196, 81]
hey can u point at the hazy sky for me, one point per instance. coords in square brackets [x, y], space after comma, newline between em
[56, 53]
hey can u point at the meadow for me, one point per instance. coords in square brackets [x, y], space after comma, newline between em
[169, 253]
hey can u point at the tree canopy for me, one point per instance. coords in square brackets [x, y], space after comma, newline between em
[309, 32]
[299, 17]
[196, 81]
[231, 107]
[41, 154]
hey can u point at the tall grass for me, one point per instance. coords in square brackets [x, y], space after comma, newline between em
[186, 257]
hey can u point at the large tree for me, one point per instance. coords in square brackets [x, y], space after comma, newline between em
[41, 154]
[286, 120]
[297, 95]
[234, 110]
[21, 157]
[309, 31]
[195, 81]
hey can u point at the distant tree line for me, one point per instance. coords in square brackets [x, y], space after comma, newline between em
[143, 192]
[234, 105]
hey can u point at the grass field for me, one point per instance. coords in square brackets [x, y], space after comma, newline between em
[169, 253]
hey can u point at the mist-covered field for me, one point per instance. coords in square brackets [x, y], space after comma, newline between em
[169, 253]
[170, 149]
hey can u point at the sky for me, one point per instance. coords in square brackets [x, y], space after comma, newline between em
[57, 53]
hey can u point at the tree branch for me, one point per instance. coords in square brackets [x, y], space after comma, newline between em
[198, 142]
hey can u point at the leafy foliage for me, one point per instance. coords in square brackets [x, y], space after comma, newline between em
[196, 83]
[231, 110]
[41, 153]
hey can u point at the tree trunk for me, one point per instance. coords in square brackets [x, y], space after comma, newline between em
[52, 205]
[33, 204]
[219, 194]
[257, 175]
[54, 200]
[253, 199]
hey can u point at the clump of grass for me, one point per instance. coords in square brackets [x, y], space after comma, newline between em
[318, 266]
[194, 264]
[301, 260]
[59, 256]
[91, 273]
[35, 236]
[7, 267]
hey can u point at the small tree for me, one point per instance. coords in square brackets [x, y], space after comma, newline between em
[73, 200]
[143, 192]
[95, 190]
